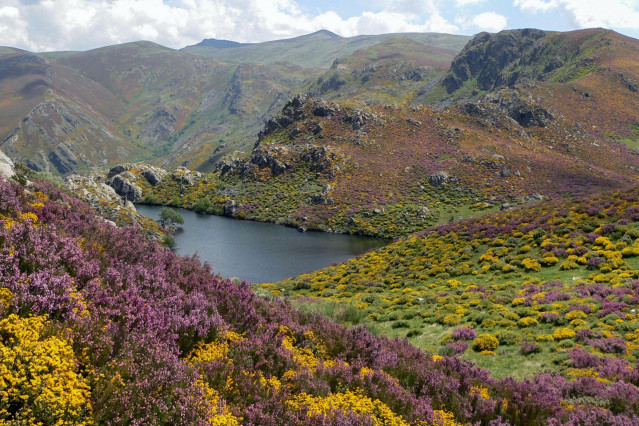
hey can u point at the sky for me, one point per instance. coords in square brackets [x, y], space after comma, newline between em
[54, 25]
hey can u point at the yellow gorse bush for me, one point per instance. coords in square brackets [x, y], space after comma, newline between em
[38, 379]
[354, 401]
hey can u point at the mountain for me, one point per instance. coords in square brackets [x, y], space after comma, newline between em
[54, 119]
[319, 49]
[219, 44]
[142, 101]
[138, 101]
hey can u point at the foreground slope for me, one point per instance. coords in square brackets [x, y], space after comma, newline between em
[112, 328]
[554, 285]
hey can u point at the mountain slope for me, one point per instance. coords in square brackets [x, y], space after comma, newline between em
[555, 285]
[56, 120]
[132, 102]
[318, 50]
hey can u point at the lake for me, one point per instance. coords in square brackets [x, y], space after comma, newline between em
[260, 252]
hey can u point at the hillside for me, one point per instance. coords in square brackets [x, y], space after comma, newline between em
[393, 70]
[66, 112]
[554, 285]
[56, 120]
[316, 50]
[113, 328]
[392, 170]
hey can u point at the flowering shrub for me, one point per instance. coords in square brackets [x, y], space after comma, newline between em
[485, 342]
[528, 347]
[464, 333]
[39, 382]
[563, 333]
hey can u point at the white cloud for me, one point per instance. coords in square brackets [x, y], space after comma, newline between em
[468, 2]
[588, 13]
[490, 21]
[534, 6]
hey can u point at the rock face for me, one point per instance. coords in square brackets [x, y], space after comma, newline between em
[488, 56]
[185, 176]
[160, 128]
[6, 166]
[152, 177]
[520, 107]
[231, 208]
[125, 188]
[63, 158]
[297, 109]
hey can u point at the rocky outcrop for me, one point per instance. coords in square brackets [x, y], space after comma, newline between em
[520, 107]
[160, 128]
[151, 176]
[297, 109]
[438, 179]
[231, 208]
[63, 159]
[125, 188]
[6, 166]
[185, 176]
[487, 58]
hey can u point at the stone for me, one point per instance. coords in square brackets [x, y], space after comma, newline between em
[124, 188]
[6, 166]
[438, 179]
[152, 177]
[504, 172]
[63, 159]
[231, 208]
[116, 170]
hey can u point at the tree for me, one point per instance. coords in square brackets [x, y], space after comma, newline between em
[171, 215]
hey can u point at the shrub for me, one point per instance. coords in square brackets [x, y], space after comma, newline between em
[464, 333]
[454, 348]
[171, 215]
[400, 324]
[531, 264]
[507, 337]
[527, 347]
[527, 322]
[452, 319]
[576, 314]
[545, 338]
[563, 333]
[485, 342]
[202, 205]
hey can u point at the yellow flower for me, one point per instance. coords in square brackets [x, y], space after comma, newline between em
[38, 381]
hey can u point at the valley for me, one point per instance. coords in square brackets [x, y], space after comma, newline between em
[487, 189]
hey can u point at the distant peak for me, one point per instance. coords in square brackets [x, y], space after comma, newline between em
[326, 33]
[220, 44]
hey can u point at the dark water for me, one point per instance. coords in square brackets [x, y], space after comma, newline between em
[260, 252]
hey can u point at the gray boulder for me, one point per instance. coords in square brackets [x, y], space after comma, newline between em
[116, 170]
[124, 188]
[438, 179]
[152, 177]
[231, 208]
[6, 166]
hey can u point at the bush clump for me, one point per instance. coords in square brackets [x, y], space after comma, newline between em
[485, 342]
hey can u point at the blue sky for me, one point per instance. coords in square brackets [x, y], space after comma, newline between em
[45, 25]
